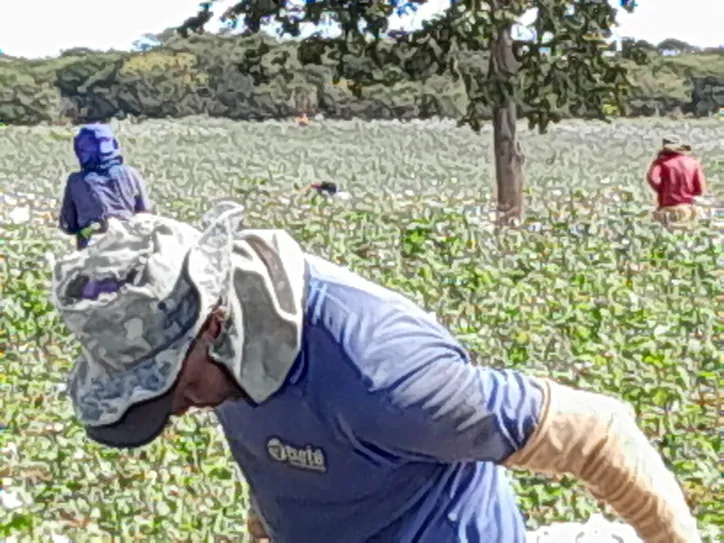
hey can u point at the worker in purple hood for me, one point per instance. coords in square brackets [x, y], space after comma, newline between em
[103, 188]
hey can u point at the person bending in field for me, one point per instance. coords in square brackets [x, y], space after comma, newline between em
[354, 415]
[678, 179]
[103, 188]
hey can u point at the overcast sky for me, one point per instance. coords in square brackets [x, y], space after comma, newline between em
[36, 28]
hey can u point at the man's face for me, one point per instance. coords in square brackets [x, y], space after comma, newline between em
[202, 382]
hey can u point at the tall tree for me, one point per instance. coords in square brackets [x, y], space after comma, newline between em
[632, 48]
[678, 46]
[568, 64]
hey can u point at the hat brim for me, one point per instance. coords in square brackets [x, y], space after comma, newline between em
[140, 425]
[677, 148]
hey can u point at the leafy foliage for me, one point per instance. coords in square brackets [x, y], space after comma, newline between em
[590, 291]
[564, 65]
[85, 86]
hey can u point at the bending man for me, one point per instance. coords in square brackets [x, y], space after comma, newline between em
[104, 187]
[353, 414]
[677, 179]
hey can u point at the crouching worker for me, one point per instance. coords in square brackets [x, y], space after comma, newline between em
[353, 414]
[103, 188]
[678, 179]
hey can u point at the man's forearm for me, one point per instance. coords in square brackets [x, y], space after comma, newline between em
[596, 439]
[653, 177]
[254, 524]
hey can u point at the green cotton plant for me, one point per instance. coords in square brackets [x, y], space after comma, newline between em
[587, 290]
[24, 291]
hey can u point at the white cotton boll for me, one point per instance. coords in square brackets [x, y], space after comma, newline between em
[9, 450]
[10, 500]
[596, 530]
[612, 531]
[20, 215]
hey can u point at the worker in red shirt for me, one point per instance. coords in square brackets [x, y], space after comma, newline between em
[677, 179]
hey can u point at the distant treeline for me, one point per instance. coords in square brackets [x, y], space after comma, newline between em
[201, 75]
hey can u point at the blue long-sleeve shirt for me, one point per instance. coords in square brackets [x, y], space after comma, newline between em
[384, 430]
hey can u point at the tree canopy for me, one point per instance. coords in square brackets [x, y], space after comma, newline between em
[566, 62]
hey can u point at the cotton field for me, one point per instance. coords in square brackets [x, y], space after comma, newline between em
[589, 291]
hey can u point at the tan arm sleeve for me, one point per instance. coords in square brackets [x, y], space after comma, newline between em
[595, 438]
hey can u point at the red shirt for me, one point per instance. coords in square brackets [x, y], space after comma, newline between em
[676, 178]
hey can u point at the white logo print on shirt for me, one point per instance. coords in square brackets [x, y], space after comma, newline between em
[309, 457]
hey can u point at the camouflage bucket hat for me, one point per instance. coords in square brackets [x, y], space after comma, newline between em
[674, 144]
[135, 300]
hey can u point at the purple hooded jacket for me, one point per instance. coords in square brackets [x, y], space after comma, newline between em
[104, 187]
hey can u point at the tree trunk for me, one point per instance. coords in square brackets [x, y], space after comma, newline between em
[508, 155]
